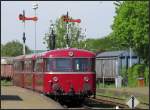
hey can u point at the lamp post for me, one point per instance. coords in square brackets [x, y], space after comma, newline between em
[52, 37]
[35, 7]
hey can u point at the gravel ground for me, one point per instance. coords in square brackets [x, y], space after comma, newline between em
[13, 97]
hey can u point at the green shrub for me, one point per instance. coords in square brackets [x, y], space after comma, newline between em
[134, 73]
[146, 76]
[123, 72]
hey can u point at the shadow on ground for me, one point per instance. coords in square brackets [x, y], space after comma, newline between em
[10, 97]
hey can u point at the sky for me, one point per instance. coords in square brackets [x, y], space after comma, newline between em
[96, 17]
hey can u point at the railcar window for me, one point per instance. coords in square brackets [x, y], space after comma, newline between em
[70, 64]
[81, 64]
[38, 66]
[49, 64]
[15, 66]
[22, 65]
[92, 64]
[28, 65]
[19, 66]
[63, 65]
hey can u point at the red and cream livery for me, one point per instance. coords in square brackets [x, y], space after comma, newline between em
[60, 72]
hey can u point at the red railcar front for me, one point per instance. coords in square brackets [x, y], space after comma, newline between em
[62, 72]
[69, 72]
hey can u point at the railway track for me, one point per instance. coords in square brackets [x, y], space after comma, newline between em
[109, 104]
[90, 103]
[144, 103]
[100, 103]
[104, 103]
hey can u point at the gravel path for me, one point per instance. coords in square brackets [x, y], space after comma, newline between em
[13, 97]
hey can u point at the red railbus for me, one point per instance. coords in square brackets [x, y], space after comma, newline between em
[60, 72]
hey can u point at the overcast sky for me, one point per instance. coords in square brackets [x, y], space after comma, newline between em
[96, 17]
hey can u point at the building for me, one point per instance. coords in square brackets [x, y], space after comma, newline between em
[110, 64]
[6, 67]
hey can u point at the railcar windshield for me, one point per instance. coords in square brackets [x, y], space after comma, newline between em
[81, 64]
[63, 64]
[70, 64]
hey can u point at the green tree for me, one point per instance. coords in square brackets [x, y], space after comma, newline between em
[75, 37]
[102, 44]
[131, 27]
[13, 48]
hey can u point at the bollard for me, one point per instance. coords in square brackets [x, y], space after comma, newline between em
[117, 107]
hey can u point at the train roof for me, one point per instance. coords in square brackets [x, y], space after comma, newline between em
[114, 54]
[66, 52]
[59, 53]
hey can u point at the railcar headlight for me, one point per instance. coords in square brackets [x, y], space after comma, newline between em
[86, 79]
[55, 78]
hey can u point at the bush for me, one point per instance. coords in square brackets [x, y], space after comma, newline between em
[146, 76]
[134, 73]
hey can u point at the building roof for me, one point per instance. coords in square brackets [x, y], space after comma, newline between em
[6, 60]
[114, 54]
[37, 51]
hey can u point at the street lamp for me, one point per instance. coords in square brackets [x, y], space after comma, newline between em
[35, 7]
[52, 37]
[52, 27]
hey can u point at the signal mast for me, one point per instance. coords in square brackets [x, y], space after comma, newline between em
[67, 19]
[23, 18]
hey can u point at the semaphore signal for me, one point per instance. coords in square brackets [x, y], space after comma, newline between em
[23, 18]
[67, 19]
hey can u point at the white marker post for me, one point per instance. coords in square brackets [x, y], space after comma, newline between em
[133, 102]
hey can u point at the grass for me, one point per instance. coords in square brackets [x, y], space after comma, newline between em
[6, 82]
[100, 85]
[122, 97]
[111, 95]
[142, 99]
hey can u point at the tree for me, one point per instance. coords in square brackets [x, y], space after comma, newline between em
[75, 37]
[131, 27]
[13, 48]
[102, 44]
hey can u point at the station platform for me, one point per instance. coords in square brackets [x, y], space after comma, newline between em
[13, 97]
